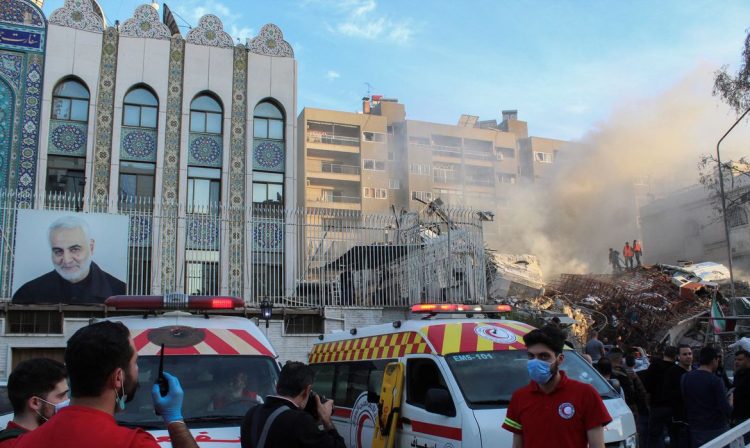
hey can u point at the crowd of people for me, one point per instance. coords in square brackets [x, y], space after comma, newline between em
[631, 255]
[679, 400]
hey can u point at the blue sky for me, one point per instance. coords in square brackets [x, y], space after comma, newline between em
[565, 65]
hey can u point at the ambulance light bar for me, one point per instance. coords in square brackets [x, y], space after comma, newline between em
[436, 308]
[174, 301]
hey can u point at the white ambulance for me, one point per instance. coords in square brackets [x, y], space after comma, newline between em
[460, 375]
[224, 363]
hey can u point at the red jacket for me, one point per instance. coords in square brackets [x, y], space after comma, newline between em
[627, 251]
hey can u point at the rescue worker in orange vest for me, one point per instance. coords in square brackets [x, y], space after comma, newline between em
[638, 251]
[627, 252]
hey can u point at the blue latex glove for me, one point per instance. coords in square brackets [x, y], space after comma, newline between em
[169, 406]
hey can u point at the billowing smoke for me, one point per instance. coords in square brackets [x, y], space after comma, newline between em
[590, 203]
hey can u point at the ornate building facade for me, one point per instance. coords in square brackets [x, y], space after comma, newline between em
[190, 135]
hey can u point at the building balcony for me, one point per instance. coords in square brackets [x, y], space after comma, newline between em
[335, 201]
[332, 142]
[334, 171]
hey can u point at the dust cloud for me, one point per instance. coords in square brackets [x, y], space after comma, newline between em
[590, 203]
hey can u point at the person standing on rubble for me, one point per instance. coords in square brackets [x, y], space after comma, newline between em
[638, 252]
[627, 252]
[660, 412]
[678, 434]
[594, 347]
[614, 260]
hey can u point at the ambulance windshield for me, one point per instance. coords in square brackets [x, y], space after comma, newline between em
[488, 379]
[218, 389]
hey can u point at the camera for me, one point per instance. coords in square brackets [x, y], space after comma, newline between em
[312, 405]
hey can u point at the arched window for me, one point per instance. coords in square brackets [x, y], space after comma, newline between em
[139, 108]
[268, 122]
[205, 115]
[67, 139]
[269, 155]
[70, 101]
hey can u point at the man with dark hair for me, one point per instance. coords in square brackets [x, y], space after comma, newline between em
[641, 401]
[741, 408]
[594, 347]
[103, 375]
[706, 404]
[282, 422]
[678, 434]
[660, 416]
[554, 410]
[37, 388]
[618, 372]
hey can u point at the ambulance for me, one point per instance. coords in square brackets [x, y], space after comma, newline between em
[459, 378]
[224, 363]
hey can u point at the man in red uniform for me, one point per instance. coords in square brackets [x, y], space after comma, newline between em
[36, 389]
[554, 410]
[103, 375]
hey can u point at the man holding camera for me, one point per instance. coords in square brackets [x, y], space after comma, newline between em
[282, 420]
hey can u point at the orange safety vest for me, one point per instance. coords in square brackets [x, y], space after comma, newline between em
[627, 252]
[637, 247]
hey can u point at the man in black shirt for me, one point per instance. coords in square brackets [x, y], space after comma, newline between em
[291, 426]
[678, 433]
[707, 406]
[660, 416]
[741, 411]
[75, 278]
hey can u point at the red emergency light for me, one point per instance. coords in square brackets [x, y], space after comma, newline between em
[174, 302]
[435, 308]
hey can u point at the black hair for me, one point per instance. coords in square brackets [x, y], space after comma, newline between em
[742, 352]
[681, 346]
[706, 355]
[549, 335]
[671, 351]
[33, 378]
[604, 366]
[93, 353]
[630, 361]
[294, 378]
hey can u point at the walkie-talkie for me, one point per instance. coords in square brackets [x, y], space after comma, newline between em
[160, 380]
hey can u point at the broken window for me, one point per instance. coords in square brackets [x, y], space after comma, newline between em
[736, 216]
[543, 157]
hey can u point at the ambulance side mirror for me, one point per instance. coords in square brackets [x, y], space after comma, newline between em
[438, 401]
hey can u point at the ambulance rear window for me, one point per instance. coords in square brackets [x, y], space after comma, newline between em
[488, 379]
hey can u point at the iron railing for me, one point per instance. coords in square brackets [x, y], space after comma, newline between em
[293, 257]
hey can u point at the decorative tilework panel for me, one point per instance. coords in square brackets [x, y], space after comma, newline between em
[237, 156]
[205, 150]
[145, 23]
[140, 230]
[32, 105]
[268, 236]
[77, 14]
[171, 170]
[21, 12]
[105, 107]
[138, 144]
[6, 131]
[67, 138]
[269, 155]
[10, 67]
[210, 32]
[203, 233]
[270, 42]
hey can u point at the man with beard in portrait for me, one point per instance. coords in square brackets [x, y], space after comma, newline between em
[103, 375]
[75, 278]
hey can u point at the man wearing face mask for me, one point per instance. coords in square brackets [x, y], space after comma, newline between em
[37, 388]
[554, 410]
[103, 375]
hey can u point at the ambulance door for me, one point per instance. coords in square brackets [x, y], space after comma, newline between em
[429, 418]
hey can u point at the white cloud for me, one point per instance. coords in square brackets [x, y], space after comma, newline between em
[332, 75]
[193, 10]
[360, 18]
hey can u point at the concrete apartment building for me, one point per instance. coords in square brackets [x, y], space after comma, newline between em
[372, 160]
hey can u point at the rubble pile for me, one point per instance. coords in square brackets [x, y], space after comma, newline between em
[639, 306]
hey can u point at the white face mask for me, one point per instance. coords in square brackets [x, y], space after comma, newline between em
[57, 407]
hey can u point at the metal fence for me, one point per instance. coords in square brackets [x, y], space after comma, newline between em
[291, 257]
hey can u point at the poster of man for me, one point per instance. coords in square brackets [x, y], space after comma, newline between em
[88, 254]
